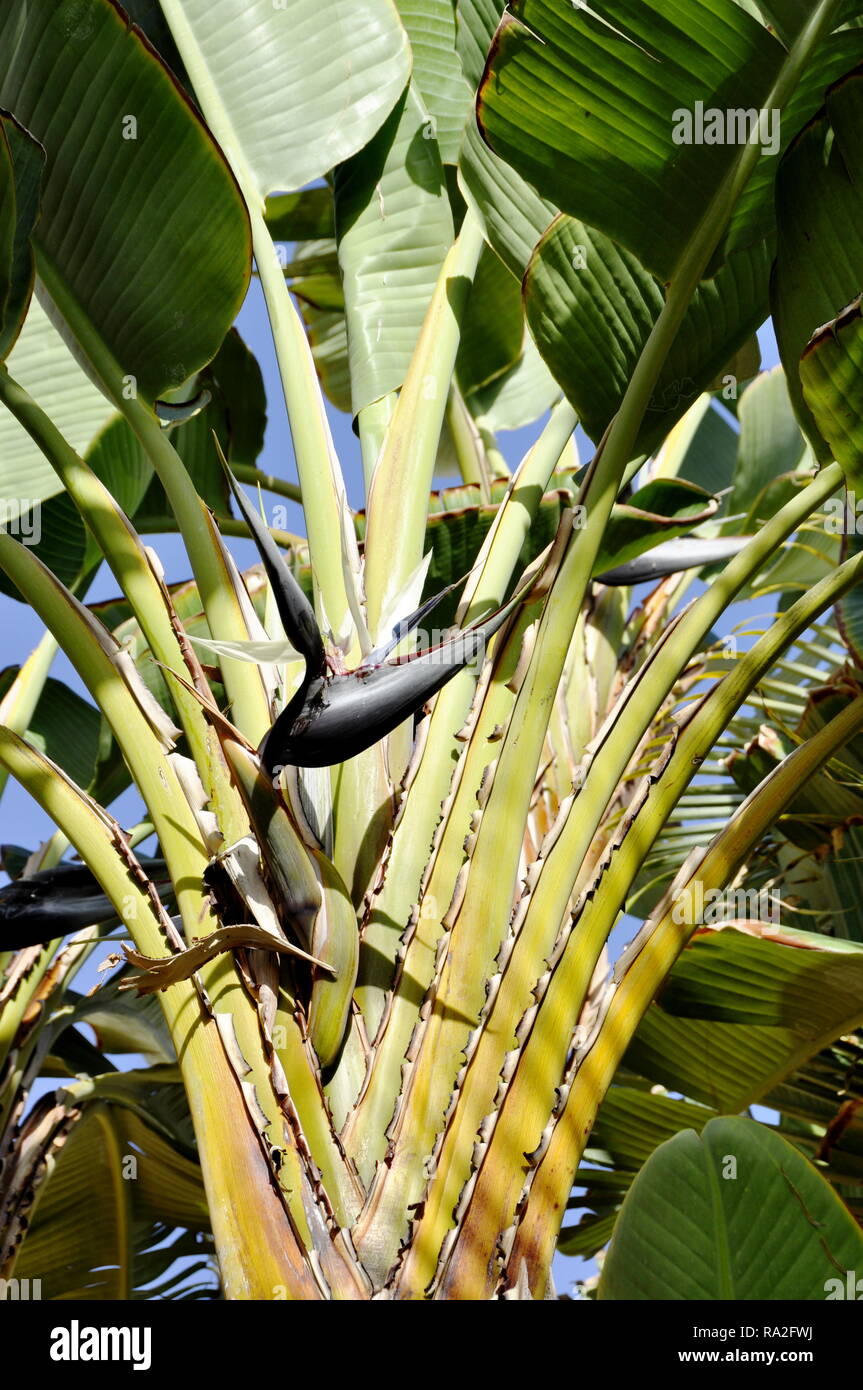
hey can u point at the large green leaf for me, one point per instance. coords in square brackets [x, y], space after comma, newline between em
[849, 609]
[828, 803]
[787, 17]
[591, 308]
[143, 239]
[81, 1249]
[21, 160]
[437, 71]
[303, 86]
[732, 1213]
[393, 229]
[124, 1022]
[598, 109]
[583, 104]
[662, 510]
[8, 224]
[741, 1019]
[65, 727]
[492, 331]
[520, 395]
[301, 216]
[819, 190]
[235, 411]
[512, 212]
[771, 447]
[740, 1012]
[702, 447]
[831, 372]
[631, 1123]
[53, 530]
[44, 366]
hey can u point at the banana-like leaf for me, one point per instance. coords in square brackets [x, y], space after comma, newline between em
[604, 111]
[65, 727]
[518, 396]
[118, 1247]
[741, 1011]
[236, 413]
[287, 79]
[124, 1023]
[437, 71]
[815, 820]
[393, 229]
[21, 160]
[512, 213]
[122, 144]
[849, 609]
[830, 371]
[819, 188]
[492, 331]
[578, 282]
[305, 216]
[820, 1113]
[42, 363]
[702, 447]
[759, 1222]
[818, 1104]
[771, 449]
[53, 530]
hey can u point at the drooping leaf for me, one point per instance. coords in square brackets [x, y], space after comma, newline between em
[662, 509]
[41, 362]
[591, 308]
[65, 727]
[53, 530]
[831, 372]
[758, 1222]
[123, 145]
[819, 188]
[600, 111]
[82, 1249]
[849, 609]
[518, 396]
[771, 447]
[740, 1020]
[741, 1011]
[124, 1022]
[492, 331]
[512, 213]
[437, 71]
[287, 77]
[305, 216]
[21, 161]
[393, 229]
